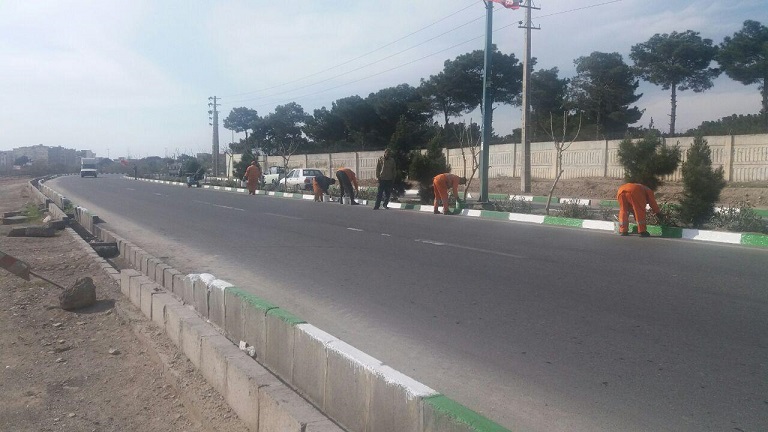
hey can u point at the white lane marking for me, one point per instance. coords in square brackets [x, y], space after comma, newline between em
[217, 205]
[436, 243]
[386, 235]
[131, 189]
[159, 194]
[283, 216]
[354, 229]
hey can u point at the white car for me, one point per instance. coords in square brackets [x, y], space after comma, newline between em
[299, 179]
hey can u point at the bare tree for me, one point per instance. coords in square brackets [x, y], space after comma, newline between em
[560, 147]
[286, 149]
[470, 147]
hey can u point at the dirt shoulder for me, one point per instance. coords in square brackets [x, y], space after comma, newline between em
[103, 368]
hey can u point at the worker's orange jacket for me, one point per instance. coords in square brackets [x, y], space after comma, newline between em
[351, 175]
[446, 181]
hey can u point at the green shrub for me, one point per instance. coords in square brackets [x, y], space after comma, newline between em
[514, 205]
[32, 212]
[701, 184]
[671, 216]
[740, 217]
[572, 209]
[424, 168]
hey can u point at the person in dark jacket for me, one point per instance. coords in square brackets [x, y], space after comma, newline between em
[385, 173]
[320, 186]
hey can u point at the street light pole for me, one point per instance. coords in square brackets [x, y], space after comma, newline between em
[487, 110]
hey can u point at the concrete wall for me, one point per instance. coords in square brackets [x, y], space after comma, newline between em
[744, 158]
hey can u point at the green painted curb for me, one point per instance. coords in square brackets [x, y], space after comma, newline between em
[760, 240]
[761, 212]
[251, 299]
[663, 231]
[609, 203]
[503, 197]
[543, 199]
[555, 220]
[286, 316]
[490, 214]
[462, 414]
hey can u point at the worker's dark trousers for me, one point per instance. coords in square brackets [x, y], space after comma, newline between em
[345, 184]
[385, 191]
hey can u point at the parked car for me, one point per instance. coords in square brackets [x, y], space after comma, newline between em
[299, 179]
[272, 175]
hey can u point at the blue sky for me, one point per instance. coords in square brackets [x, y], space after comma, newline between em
[133, 78]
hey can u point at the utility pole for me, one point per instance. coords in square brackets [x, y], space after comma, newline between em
[214, 117]
[525, 172]
[487, 110]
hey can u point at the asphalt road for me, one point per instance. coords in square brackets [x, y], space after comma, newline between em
[539, 328]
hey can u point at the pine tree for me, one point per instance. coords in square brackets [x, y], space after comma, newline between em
[424, 167]
[645, 161]
[701, 184]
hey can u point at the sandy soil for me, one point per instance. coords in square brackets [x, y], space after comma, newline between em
[57, 370]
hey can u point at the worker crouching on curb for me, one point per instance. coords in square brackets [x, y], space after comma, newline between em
[320, 186]
[347, 178]
[634, 197]
[440, 185]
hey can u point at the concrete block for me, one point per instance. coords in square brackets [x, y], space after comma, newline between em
[216, 301]
[280, 338]
[138, 255]
[178, 285]
[135, 289]
[233, 315]
[200, 292]
[168, 274]
[214, 351]
[145, 263]
[126, 249]
[323, 426]
[347, 385]
[255, 323]
[125, 280]
[160, 301]
[188, 291]
[281, 409]
[310, 361]
[445, 415]
[175, 315]
[152, 264]
[147, 291]
[160, 273]
[192, 333]
[396, 401]
[244, 378]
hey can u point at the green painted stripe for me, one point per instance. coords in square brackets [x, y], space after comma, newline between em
[664, 231]
[461, 414]
[609, 203]
[503, 197]
[408, 206]
[251, 299]
[494, 214]
[555, 220]
[761, 212]
[760, 240]
[286, 316]
[543, 199]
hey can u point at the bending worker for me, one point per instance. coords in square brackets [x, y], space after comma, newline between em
[634, 197]
[320, 186]
[253, 176]
[440, 185]
[347, 178]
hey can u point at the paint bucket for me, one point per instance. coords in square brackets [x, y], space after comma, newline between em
[327, 198]
[347, 200]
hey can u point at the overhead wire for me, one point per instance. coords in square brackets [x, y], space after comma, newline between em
[395, 54]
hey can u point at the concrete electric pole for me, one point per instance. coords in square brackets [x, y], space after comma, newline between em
[525, 172]
[214, 112]
[487, 107]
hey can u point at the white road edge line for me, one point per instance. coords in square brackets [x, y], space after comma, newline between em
[217, 205]
[436, 243]
[355, 229]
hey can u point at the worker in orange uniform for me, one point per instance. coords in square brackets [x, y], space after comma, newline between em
[633, 197]
[347, 178]
[253, 176]
[440, 185]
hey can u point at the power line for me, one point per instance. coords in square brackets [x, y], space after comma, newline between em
[360, 56]
[393, 55]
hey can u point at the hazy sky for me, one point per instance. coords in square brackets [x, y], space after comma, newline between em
[133, 78]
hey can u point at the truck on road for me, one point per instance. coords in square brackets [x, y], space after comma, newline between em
[88, 167]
